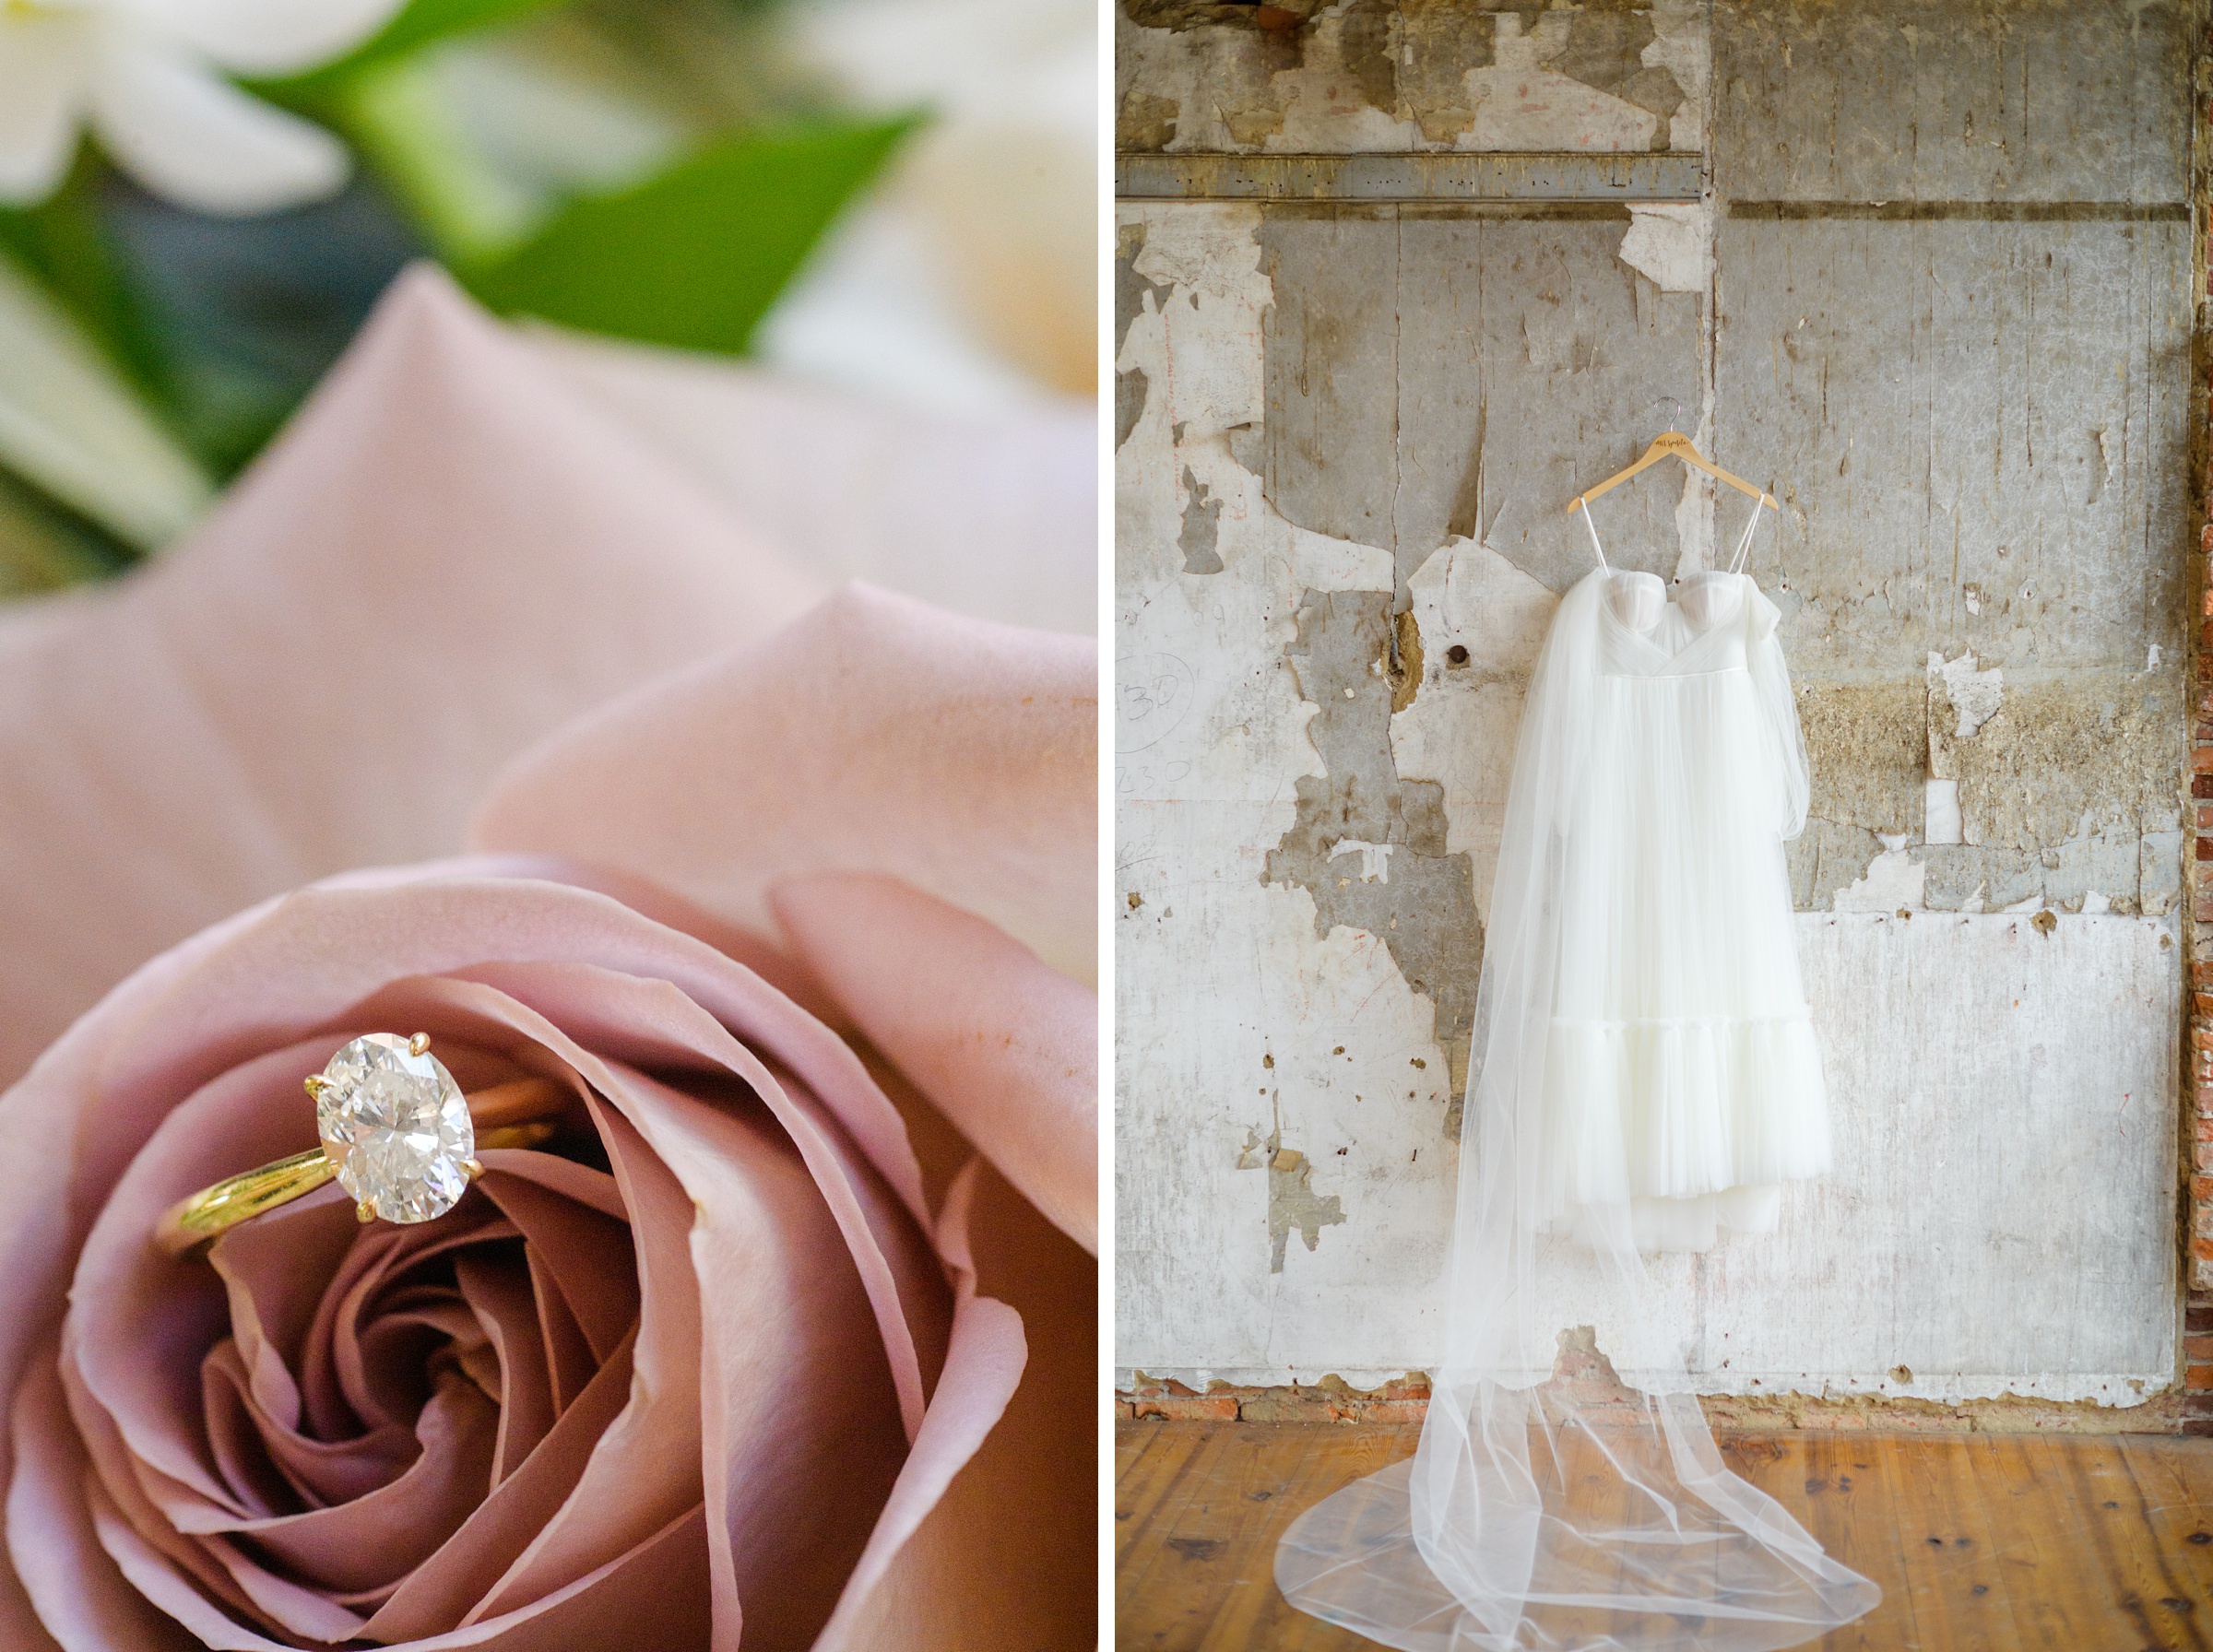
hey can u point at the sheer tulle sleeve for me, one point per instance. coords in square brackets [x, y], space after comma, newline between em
[1778, 708]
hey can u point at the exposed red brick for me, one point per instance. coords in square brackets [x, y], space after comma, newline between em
[1197, 1408]
[2199, 1379]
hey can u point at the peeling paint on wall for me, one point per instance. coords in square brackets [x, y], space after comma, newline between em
[1211, 748]
[1202, 526]
[1894, 882]
[1293, 1205]
[1431, 376]
[1481, 621]
[1380, 76]
[1425, 913]
[1962, 696]
[1670, 246]
[1132, 295]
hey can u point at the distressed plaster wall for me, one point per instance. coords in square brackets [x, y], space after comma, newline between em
[1937, 297]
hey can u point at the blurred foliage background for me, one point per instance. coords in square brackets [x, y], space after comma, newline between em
[656, 171]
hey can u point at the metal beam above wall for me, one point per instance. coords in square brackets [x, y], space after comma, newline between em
[1404, 177]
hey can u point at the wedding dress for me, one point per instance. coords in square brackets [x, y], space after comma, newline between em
[1644, 1074]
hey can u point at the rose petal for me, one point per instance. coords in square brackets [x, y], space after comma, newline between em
[367, 1543]
[584, 1254]
[965, 1576]
[145, 1318]
[445, 557]
[881, 1605]
[57, 1562]
[995, 516]
[874, 735]
[502, 1300]
[894, 1268]
[273, 1272]
[440, 1591]
[644, 1469]
[344, 1387]
[795, 1470]
[662, 1582]
[1006, 1048]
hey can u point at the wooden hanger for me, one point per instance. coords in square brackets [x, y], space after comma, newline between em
[1672, 444]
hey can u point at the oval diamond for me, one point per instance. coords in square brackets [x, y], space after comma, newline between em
[398, 1127]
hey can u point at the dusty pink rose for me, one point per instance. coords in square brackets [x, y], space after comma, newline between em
[711, 1387]
[788, 1337]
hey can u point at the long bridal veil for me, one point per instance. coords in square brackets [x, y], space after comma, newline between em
[1549, 1506]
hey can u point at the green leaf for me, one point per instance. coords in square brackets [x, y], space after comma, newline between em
[399, 119]
[64, 242]
[694, 257]
[45, 546]
[417, 25]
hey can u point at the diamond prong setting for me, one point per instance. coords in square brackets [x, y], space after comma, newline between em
[396, 1126]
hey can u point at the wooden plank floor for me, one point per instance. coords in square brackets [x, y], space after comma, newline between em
[1981, 1542]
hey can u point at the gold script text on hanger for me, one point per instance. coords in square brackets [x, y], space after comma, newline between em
[1672, 444]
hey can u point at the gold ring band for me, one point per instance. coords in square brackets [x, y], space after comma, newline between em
[519, 1114]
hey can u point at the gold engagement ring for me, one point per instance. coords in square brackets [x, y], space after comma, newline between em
[397, 1134]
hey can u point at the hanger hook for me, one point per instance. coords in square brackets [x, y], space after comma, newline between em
[1674, 412]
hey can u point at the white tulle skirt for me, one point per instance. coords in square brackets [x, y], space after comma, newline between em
[1681, 1074]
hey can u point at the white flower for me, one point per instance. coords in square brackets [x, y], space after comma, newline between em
[147, 77]
[972, 274]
